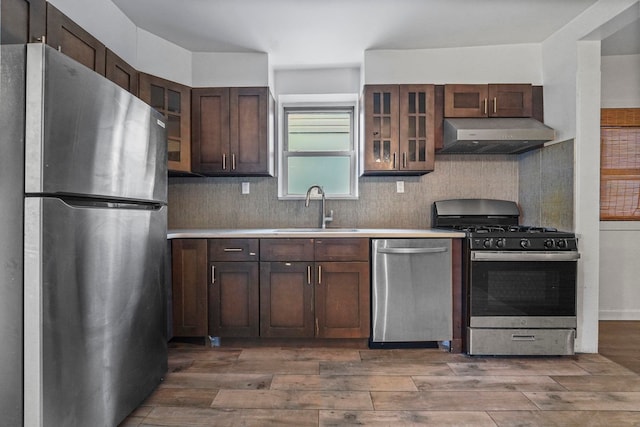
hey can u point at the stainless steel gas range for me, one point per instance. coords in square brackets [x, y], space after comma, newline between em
[519, 281]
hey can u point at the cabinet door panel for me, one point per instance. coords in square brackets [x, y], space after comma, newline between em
[248, 131]
[342, 249]
[72, 40]
[342, 300]
[22, 21]
[233, 249]
[381, 128]
[233, 299]
[189, 286]
[510, 100]
[121, 73]
[286, 249]
[173, 100]
[286, 299]
[210, 127]
[417, 131]
[463, 100]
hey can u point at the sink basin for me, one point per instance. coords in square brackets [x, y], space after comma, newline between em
[315, 230]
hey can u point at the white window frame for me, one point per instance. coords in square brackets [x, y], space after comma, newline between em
[311, 101]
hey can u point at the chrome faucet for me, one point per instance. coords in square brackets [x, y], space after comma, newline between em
[325, 219]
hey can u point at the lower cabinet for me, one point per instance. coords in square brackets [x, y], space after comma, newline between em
[233, 288]
[233, 299]
[325, 300]
[313, 297]
[285, 288]
[286, 299]
[342, 300]
[189, 287]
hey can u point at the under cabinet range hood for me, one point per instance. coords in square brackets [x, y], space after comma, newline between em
[494, 135]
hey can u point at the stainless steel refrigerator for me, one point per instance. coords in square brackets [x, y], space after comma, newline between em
[83, 185]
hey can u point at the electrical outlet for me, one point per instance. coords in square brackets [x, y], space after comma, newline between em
[399, 186]
[245, 188]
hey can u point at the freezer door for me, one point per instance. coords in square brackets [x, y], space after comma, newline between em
[87, 135]
[12, 59]
[412, 291]
[95, 311]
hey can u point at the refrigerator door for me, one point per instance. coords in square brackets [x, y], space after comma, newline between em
[86, 135]
[12, 66]
[95, 311]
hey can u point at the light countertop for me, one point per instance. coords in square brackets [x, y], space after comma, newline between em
[385, 233]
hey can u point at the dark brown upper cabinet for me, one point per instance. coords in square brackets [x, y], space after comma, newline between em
[74, 41]
[173, 100]
[232, 131]
[493, 100]
[399, 129]
[121, 73]
[22, 21]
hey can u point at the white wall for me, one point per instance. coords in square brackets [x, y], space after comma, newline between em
[317, 81]
[164, 59]
[620, 81]
[619, 270]
[151, 54]
[520, 63]
[571, 73]
[230, 69]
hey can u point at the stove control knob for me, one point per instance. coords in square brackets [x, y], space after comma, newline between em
[549, 243]
[500, 243]
[487, 243]
[525, 243]
[561, 243]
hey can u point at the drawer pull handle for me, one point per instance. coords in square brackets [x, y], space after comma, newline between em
[233, 249]
[515, 337]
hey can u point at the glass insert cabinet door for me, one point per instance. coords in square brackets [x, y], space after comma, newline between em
[381, 128]
[399, 129]
[174, 102]
[417, 127]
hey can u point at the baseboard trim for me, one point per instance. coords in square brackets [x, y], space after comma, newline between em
[619, 315]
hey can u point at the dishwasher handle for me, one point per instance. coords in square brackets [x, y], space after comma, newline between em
[405, 251]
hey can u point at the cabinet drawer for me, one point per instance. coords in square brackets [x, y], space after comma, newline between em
[342, 249]
[233, 249]
[286, 250]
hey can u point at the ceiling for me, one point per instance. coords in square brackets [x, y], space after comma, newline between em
[332, 33]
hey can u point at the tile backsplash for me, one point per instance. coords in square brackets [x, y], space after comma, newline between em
[218, 202]
[546, 186]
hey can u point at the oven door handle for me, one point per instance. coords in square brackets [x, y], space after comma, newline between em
[524, 256]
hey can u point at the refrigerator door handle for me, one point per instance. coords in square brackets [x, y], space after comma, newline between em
[87, 203]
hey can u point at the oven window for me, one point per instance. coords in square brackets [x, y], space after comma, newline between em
[508, 288]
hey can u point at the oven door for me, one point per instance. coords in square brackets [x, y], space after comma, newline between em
[523, 289]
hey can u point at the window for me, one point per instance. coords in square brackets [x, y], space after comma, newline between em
[620, 164]
[317, 147]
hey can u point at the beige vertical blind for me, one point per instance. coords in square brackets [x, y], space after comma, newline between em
[620, 164]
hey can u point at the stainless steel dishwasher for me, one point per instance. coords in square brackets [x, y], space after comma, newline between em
[411, 292]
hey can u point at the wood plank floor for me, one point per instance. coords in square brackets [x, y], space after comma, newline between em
[258, 385]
